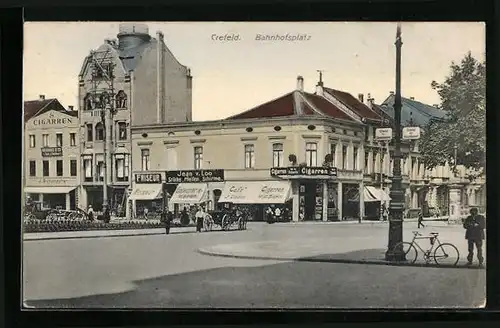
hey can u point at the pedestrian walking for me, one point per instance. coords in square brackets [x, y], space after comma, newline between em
[145, 211]
[474, 226]
[420, 220]
[200, 215]
[166, 219]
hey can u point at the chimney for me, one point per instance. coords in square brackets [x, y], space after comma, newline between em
[300, 83]
[391, 93]
[436, 105]
[412, 98]
[361, 97]
[159, 36]
[70, 108]
[41, 97]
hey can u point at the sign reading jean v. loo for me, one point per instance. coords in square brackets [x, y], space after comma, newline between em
[195, 176]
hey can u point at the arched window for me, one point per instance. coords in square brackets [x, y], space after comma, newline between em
[99, 131]
[121, 100]
[87, 102]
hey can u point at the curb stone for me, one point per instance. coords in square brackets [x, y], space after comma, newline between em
[334, 260]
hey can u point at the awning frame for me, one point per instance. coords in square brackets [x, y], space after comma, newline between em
[49, 190]
[156, 192]
[197, 198]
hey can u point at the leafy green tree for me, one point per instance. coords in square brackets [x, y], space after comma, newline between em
[463, 130]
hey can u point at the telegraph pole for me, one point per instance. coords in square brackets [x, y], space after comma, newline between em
[396, 207]
[103, 70]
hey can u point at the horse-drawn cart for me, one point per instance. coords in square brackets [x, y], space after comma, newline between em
[225, 220]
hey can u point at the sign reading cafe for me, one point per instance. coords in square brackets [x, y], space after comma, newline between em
[303, 171]
[194, 176]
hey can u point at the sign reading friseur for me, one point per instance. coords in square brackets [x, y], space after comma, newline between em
[194, 176]
[148, 178]
[305, 171]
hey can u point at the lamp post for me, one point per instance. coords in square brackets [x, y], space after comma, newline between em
[396, 207]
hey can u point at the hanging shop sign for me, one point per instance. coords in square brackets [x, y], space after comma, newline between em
[148, 178]
[195, 176]
[383, 134]
[304, 171]
[411, 133]
[51, 151]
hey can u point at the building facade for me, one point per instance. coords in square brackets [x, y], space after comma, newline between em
[286, 139]
[51, 153]
[440, 190]
[135, 80]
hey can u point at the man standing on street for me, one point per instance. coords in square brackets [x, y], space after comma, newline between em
[474, 226]
[200, 215]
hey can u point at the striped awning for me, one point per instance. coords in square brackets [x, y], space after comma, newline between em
[372, 194]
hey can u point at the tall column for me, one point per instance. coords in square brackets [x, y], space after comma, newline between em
[295, 201]
[370, 162]
[325, 200]
[361, 201]
[41, 198]
[68, 201]
[339, 200]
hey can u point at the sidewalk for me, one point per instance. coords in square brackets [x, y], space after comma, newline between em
[431, 222]
[357, 250]
[102, 233]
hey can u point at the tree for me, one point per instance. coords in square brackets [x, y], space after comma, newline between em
[463, 130]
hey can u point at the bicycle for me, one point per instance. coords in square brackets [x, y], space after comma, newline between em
[442, 251]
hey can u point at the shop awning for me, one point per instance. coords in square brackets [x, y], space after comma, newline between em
[372, 194]
[146, 192]
[256, 192]
[48, 190]
[189, 193]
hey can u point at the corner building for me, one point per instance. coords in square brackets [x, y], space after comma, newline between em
[51, 153]
[256, 146]
[148, 86]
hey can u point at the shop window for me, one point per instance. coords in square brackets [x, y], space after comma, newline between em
[121, 167]
[45, 140]
[198, 158]
[88, 168]
[355, 158]
[311, 154]
[344, 157]
[32, 141]
[46, 168]
[99, 131]
[72, 167]
[146, 159]
[249, 156]
[122, 131]
[59, 139]
[278, 155]
[59, 168]
[32, 168]
[72, 139]
[100, 167]
[90, 132]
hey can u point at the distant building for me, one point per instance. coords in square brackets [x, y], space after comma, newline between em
[432, 190]
[148, 86]
[51, 153]
[254, 149]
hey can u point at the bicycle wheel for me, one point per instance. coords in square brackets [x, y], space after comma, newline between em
[410, 251]
[446, 254]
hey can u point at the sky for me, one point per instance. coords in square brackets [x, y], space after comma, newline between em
[230, 77]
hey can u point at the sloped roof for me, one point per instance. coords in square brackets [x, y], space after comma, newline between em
[416, 111]
[286, 105]
[281, 106]
[326, 107]
[353, 103]
[130, 57]
[34, 108]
